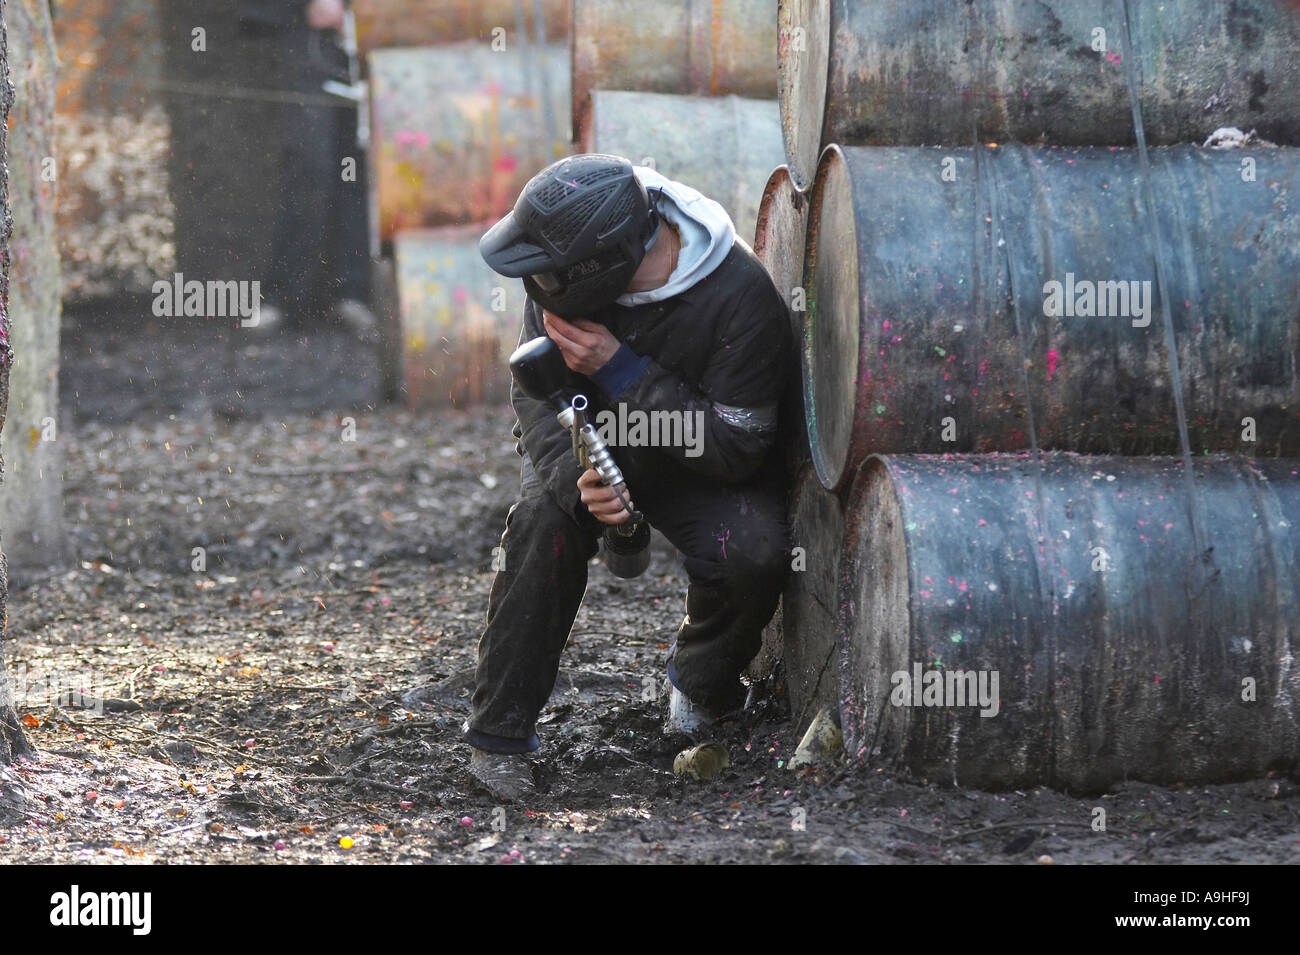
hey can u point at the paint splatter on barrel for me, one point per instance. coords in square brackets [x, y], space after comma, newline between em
[949, 293]
[459, 319]
[458, 130]
[1138, 629]
[927, 71]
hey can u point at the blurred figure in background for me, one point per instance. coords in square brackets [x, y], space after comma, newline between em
[319, 258]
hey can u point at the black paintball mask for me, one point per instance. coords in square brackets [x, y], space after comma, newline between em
[577, 235]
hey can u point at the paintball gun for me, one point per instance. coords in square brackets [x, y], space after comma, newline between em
[539, 370]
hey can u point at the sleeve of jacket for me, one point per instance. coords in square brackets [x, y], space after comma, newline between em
[731, 424]
[547, 444]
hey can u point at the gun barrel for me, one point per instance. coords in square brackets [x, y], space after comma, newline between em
[579, 406]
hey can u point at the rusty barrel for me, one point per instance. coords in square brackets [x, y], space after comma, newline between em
[724, 146]
[928, 72]
[809, 609]
[458, 130]
[459, 320]
[977, 299]
[1011, 621]
[779, 243]
[385, 23]
[779, 233]
[672, 46]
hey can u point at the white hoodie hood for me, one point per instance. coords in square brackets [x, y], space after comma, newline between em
[706, 230]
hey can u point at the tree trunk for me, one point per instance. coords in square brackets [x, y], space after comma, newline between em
[12, 741]
[31, 500]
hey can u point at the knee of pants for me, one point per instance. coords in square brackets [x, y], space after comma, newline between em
[755, 562]
[539, 518]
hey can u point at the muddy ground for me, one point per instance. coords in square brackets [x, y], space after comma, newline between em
[259, 709]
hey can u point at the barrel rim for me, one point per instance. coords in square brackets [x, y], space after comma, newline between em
[778, 183]
[849, 610]
[803, 159]
[806, 492]
[833, 475]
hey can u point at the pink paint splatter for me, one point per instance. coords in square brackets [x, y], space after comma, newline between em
[1053, 356]
[412, 137]
[723, 541]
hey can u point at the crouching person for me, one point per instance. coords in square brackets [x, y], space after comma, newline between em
[659, 311]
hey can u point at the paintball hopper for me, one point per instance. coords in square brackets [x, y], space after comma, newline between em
[627, 556]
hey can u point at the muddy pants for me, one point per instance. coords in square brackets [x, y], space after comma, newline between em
[734, 539]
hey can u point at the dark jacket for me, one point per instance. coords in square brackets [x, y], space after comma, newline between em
[722, 347]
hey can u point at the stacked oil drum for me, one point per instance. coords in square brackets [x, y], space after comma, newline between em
[1018, 331]
[470, 98]
[686, 88]
[467, 100]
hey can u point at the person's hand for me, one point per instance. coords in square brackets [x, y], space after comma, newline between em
[601, 500]
[325, 14]
[586, 345]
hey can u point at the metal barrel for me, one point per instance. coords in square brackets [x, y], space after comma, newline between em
[458, 130]
[459, 320]
[672, 46]
[947, 292]
[809, 614]
[779, 243]
[723, 146]
[385, 23]
[779, 234]
[927, 72]
[1121, 648]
